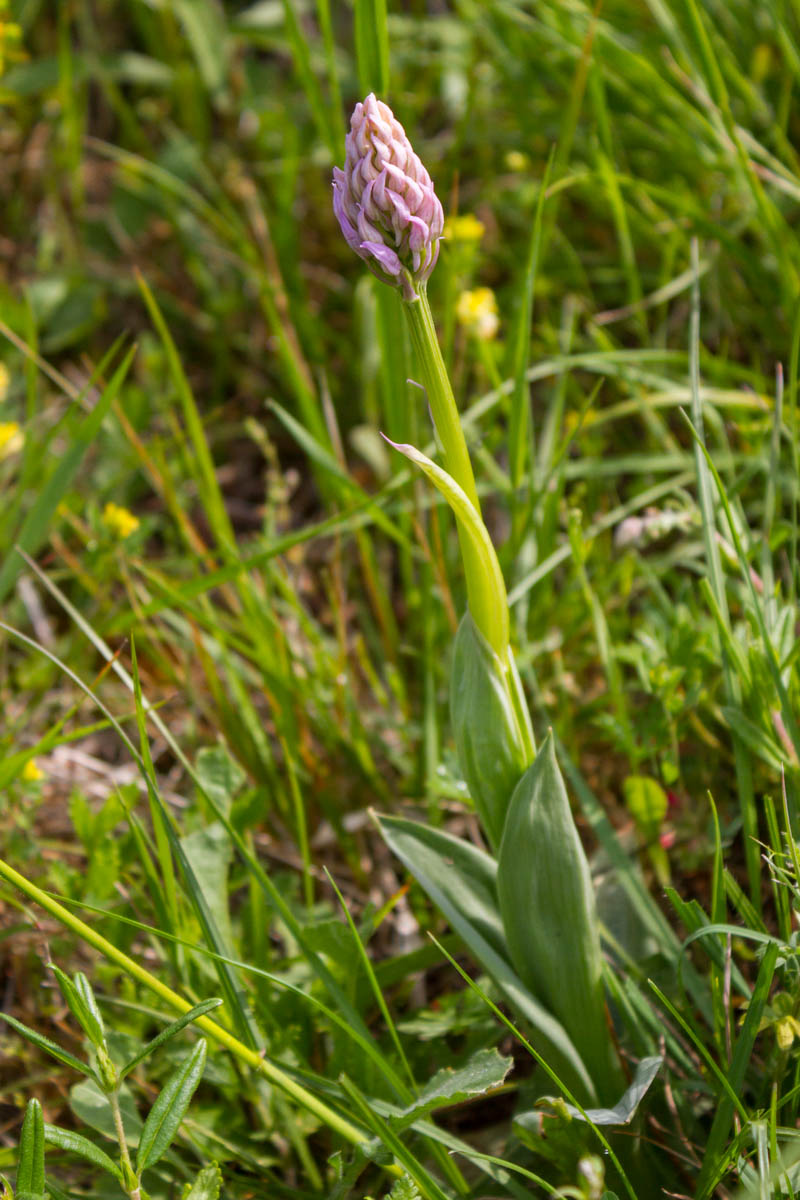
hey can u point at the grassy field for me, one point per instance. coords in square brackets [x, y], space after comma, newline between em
[228, 606]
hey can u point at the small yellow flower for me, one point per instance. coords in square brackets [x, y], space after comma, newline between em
[119, 520]
[477, 312]
[517, 161]
[10, 438]
[465, 229]
[31, 773]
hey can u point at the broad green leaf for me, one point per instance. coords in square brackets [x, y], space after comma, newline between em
[209, 853]
[220, 775]
[30, 1172]
[91, 1107]
[486, 1069]
[547, 903]
[175, 1027]
[461, 881]
[492, 732]
[44, 1043]
[170, 1108]
[207, 1185]
[76, 1143]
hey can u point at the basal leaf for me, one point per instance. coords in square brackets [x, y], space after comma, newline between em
[460, 880]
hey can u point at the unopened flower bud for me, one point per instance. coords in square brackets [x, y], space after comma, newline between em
[385, 202]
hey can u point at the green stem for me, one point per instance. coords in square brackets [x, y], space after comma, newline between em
[440, 395]
[252, 1058]
[448, 427]
[127, 1166]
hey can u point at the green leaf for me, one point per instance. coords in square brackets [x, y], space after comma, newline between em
[44, 1043]
[36, 525]
[461, 881]
[492, 733]
[209, 853]
[207, 35]
[757, 740]
[372, 47]
[742, 1056]
[207, 1185]
[169, 1032]
[488, 599]
[486, 1069]
[220, 776]
[547, 903]
[169, 1109]
[624, 1110]
[81, 1003]
[91, 1107]
[404, 1189]
[76, 1143]
[30, 1172]
[647, 803]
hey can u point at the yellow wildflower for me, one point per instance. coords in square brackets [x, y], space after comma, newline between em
[517, 161]
[10, 438]
[31, 773]
[477, 312]
[119, 520]
[465, 229]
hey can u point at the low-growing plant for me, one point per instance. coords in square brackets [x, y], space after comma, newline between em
[104, 1092]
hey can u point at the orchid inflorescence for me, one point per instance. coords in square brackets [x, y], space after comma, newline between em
[385, 202]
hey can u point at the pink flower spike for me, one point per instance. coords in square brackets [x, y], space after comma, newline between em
[385, 202]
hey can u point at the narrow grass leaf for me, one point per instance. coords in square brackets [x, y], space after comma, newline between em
[199, 1010]
[734, 1081]
[36, 524]
[372, 47]
[519, 432]
[428, 1186]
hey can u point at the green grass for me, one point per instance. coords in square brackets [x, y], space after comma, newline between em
[218, 699]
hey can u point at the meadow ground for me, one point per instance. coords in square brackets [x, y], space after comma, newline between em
[228, 607]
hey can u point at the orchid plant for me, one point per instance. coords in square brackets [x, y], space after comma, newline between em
[525, 906]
